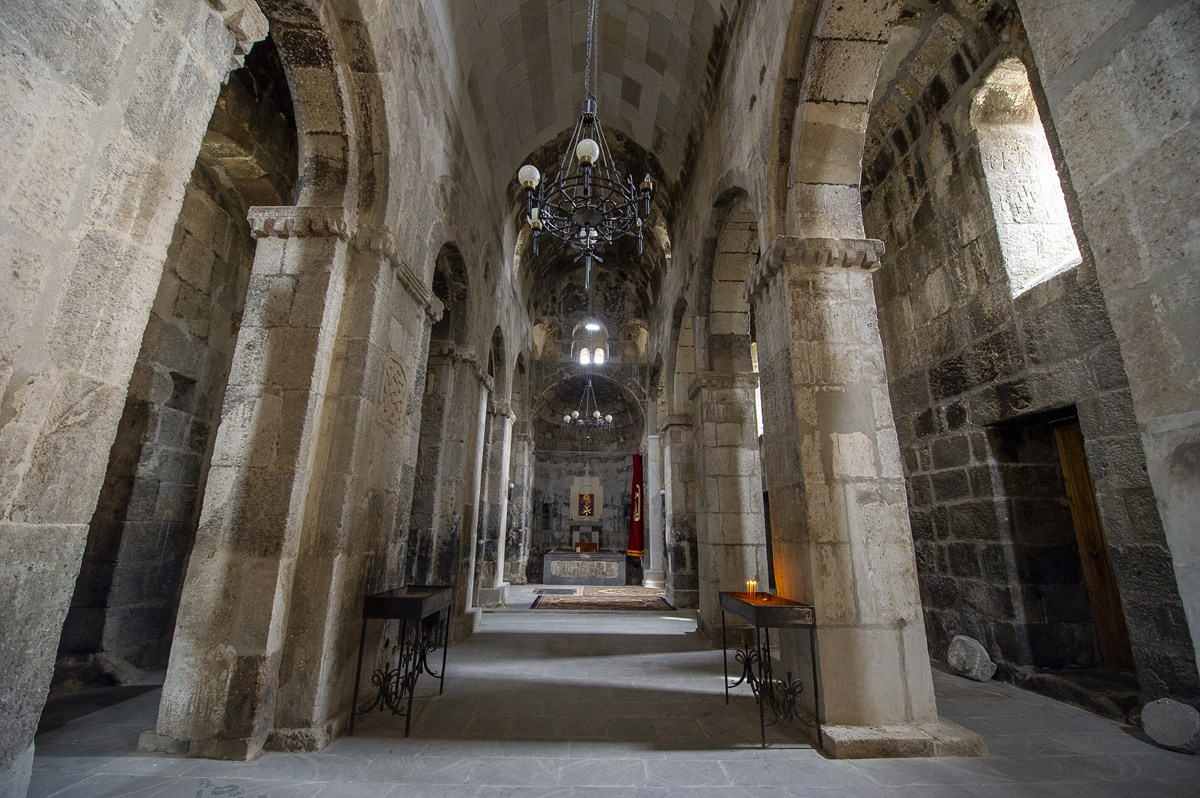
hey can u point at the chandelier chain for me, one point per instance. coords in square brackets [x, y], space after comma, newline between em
[591, 67]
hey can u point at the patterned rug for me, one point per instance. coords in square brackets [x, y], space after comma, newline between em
[607, 598]
[623, 590]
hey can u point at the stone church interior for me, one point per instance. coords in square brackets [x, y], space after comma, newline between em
[883, 305]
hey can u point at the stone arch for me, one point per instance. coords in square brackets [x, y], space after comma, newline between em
[497, 364]
[632, 339]
[728, 256]
[451, 285]
[323, 107]
[827, 78]
[681, 359]
[123, 612]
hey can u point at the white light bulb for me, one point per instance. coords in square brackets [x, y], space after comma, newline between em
[529, 176]
[595, 414]
[566, 419]
[608, 419]
[587, 151]
[574, 414]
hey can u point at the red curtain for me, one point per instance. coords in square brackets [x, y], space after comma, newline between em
[637, 511]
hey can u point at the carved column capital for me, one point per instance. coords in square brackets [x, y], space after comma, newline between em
[294, 221]
[713, 379]
[811, 254]
[380, 241]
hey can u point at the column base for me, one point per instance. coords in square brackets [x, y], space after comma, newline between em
[237, 749]
[654, 579]
[464, 625]
[493, 596]
[943, 738]
[304, 739]
[14, 778]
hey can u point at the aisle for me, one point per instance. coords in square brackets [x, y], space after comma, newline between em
[583, 705]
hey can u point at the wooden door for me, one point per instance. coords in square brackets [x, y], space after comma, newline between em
[1112, 636]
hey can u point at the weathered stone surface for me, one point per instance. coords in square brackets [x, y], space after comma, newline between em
[969, 658]
[1172, 725]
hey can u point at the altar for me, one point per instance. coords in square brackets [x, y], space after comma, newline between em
[584, 568]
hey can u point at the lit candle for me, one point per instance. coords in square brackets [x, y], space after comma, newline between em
[751, 586]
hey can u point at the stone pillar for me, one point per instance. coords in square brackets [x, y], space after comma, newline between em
[93, 185]
[520, 476]
[654, 574]
[730, 531]
[359, 498]
[679, 478]
[839, 517]
[493, 590]
[223, 675]
[432, 479]
[467, 610]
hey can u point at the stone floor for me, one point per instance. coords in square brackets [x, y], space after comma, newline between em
[582, 704]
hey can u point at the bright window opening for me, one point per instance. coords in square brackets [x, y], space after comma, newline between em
[1035, 231]
[585, 356]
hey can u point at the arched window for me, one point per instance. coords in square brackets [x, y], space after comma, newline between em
[589, 342]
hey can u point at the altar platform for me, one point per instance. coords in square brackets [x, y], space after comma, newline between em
[584, 568]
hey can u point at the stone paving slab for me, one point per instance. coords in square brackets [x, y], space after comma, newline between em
[549, 706]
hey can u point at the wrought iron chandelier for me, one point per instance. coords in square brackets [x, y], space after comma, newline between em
[587, 415]
[588, 203]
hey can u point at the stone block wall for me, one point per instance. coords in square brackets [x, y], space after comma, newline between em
[970, 368]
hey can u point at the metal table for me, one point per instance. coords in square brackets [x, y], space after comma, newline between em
[767, 611]
[424, 612]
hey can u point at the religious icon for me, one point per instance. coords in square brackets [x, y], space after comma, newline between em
[587, 506]
[637, 502]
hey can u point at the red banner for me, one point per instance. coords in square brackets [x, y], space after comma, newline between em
[636, 511]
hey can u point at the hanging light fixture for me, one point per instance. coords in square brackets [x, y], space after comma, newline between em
[588, 203]
[587, 415]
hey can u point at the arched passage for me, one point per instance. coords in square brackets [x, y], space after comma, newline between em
[122, 616]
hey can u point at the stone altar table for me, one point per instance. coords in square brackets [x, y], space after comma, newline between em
[584, 568]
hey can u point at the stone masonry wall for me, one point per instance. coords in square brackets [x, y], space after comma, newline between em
[963, 355]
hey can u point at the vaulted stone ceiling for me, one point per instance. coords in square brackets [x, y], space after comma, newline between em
[517, 67]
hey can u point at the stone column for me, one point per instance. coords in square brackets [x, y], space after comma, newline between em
[493, 590]
[679, 478]
[358, 501]
[520, 476]
[431, 479]
[839, 515]
[223, 675]
[730, 531]
[468, 613]
[654, 574]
